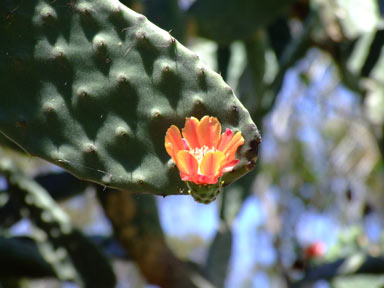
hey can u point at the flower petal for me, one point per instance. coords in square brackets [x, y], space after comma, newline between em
[187, 164]
[173, 142]
[212, 164]
[208, 132]
[230, 165]
[190, 132]
[231, 148]
[226, 137]
[204, 179]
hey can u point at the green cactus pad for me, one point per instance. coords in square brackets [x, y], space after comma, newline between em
[92, 86]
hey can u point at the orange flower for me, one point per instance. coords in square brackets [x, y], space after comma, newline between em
[203, 155]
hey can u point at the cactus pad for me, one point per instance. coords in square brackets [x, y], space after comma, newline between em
[92, 86]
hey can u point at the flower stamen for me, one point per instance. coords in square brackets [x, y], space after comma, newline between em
[199, 153]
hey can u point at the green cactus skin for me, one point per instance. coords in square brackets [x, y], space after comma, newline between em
[204, 193]
[61, 245]
[93, 86]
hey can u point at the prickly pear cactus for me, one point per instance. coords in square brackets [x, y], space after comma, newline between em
[92, 87]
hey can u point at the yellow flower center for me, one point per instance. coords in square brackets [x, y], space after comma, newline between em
[199, 153]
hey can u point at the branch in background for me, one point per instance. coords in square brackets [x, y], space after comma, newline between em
[262, 97]
[60, 186]
[10, 212]
[279, 35]
[223, 55]
[137, 227]
[20, 257]
[373, 54]
[167, 15]
[219, 255]
[381, 142]
[352, 265]
[252, 86]
[60, 244]
[292, 53]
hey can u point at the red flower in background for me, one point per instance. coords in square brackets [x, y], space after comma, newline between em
[316, 249]
[204, 154]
